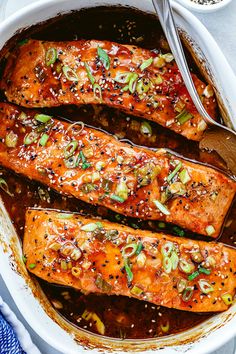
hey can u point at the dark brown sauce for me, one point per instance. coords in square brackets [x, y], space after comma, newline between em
[122, 317]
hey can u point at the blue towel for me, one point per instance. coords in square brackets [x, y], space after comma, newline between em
[9, 343]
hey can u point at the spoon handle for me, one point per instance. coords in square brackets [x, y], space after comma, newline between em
[166, 19]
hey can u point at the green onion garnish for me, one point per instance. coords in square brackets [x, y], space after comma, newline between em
[205, 287]
[136, 290]
[85, 164]
[24, 41]
[70, 74]
[103, 56]
[24, 259]
[90, 227]
[70, 149]
[139, 248]
[184, 116]
[167, 248]
[44, 139]
[32, 265]
[102, 284]
[64, 216]
[128, 270]
[146, 64]
[167, 264]
[210, 230]
[143, 85]
[174, 260]
[185, 266]
[178, 231]
[204, 271]
[184, 176]
[173, 173]
[193, 275]
[123, 78]
[42, 118]
[30, 138]
[187, 294]
[97, 90]
[181, 285]
[227, 298]
[51, 56]
[89, 73]
[146, 129]
[11, 139]
[133, 82]
[161, 207]
[129, 250]
[117, 198]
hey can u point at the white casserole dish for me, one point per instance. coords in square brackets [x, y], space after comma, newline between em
[26, 293]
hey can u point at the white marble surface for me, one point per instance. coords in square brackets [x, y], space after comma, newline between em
[222, 25]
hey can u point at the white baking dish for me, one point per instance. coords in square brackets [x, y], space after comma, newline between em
[25, 291]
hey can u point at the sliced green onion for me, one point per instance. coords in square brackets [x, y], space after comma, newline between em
[196, 256]
[51, 56]
[91, 227]
[70, 149]
[161, 207]
[32, 265]
[97, 90]
[205, 287]
[186, 266]
[174, 260]
[30, 138]
[129, 250]
[24, 259]
[139, 248]
[161, 225]
[167, 248]
[88, 188]
[122, 190]
[211, 260]
[123, 78]
[85, 164]
[117, 198]
[24, 41]
[184, 116]
[141, 260]
[146, 64]
[5, 188]
[136, 290]
[11, 139]
[178, 231]
[102, 284]
[146, 129]
[76, 272]
[227, 298]
[42, 118]
[167, 264]
[143, 85]
[165, 327]
[128, 270]
[181, 285]
[133, 82]
[89, 73]
[174, 172]
[184, 176]
[71, 162]
[187, 294]
[70, 74]
[193, 275]
[210, 230]
[44, 139]
[103, 56]
[204, 271]
[112, 235]
[177, 188]
[65, 216]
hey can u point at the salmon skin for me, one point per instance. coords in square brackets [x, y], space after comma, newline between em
[135, 80]
[98, 256]
[95, 167]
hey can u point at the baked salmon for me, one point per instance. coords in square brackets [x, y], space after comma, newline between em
[93, 166]
[97, 256]
[135, 80]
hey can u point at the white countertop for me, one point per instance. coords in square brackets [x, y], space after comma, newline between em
[222, 25]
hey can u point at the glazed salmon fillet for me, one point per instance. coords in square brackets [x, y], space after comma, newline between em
[135, 80]
[98, 256]
[92, 166]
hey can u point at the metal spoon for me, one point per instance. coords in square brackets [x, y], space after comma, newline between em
[217, 137]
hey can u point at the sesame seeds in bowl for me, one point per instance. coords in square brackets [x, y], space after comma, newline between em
[204, 5]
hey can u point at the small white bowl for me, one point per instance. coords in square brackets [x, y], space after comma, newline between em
[191, 5]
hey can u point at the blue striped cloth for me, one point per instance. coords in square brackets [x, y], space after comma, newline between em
[9, 343]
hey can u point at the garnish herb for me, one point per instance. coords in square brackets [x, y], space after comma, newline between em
[174, 172]
[184, 116]
[129, 250]
[42, 118]
[104, 58]
[51, 56]
[128, 270]
[30, 138]
[146, 64]
[44, 139]
[117, 198]
[70, 149]
[97, 90]
[5, 188]
[89, 73]
[70, 74]
[85, 164]
[187, 294]
[161, 207]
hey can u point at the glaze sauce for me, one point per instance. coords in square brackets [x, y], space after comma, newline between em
[122, 317]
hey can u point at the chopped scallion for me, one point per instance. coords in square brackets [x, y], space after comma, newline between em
[146, 64]
[51, 56]
[161, 207]
[227, 298]
[97, 90]
[184, 176]
[205, 287]
[11, 139]
[184, 116]
[128, 271]
[174, 172]
[139, 248]
[30, 138]
[210, 230]
[42, 118]
[204, 271]
[103, 56]
[133, 82]
[146, 129]
[89, 73]
[136, 290]
[193, 275]
[70, 74]
[117, 198]
[44, 139]
[70, 149]
[32, 265]
[129, 250]
[187, 293]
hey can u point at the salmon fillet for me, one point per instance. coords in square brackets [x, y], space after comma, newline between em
[102, 257]
[97, 168]
[135, 80]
